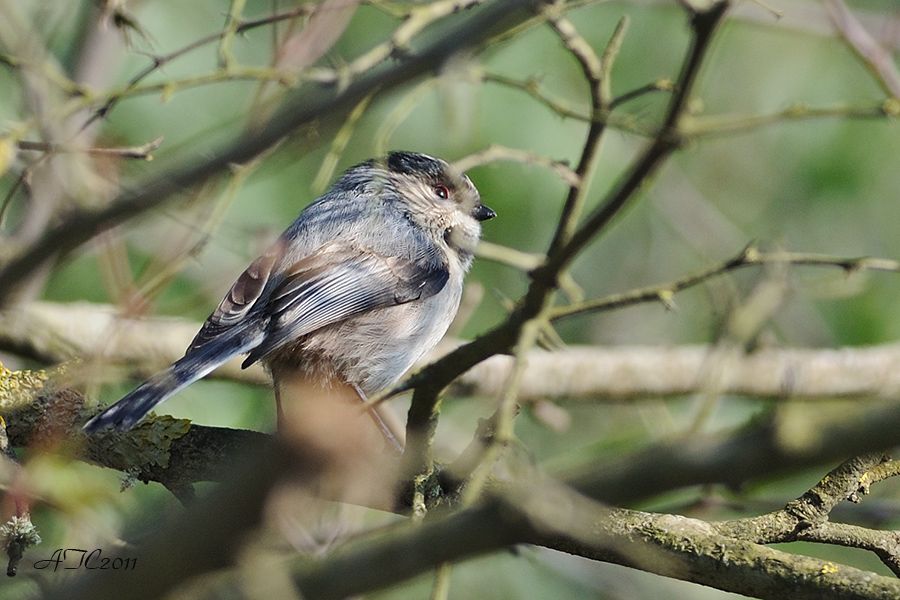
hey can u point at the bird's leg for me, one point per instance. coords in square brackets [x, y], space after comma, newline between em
[389, 435]
[279, 411]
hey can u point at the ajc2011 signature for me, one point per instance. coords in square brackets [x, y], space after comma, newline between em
[76, 558]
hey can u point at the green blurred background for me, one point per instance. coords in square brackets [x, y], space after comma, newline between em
[824, 185]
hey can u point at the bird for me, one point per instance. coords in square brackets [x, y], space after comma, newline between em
[358, 288]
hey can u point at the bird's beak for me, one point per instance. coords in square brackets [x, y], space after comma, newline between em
[483, 213]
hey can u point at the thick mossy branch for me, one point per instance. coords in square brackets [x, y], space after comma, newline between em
[762, 450]
[723, 555]
[670, 545]
[807, 517]
[17, 388]
[162, 449]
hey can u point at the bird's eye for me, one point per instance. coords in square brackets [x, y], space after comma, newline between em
[442, 191]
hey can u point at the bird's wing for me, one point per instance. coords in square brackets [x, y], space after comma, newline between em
[242, 296]
[337, 282]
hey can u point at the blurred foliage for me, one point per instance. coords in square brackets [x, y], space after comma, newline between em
[825, 185]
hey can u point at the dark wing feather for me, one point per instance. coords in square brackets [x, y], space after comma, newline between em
[336, 283]
[241, 297]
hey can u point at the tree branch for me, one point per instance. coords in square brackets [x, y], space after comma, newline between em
[54, 333]
[668, 545]
[432, 379]
[160, 61]
[807, 517]
[877, 59]
[142, 152]
[538, 513]
[169, 451]
[680, 547]
[750, 255]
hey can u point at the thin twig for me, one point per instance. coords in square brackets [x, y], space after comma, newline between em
[597, 73]
[142, 152]
[496, 152]
[522, 327]
[693, 127]
[532, 87]
[704, 25]
[160, 61]
[22, 181]
[660, 85]
[505, 255]
[440, 589]
[398, 114]
[504, 415]
[878, 60]
[430, 381]
[338, 145]
[749, 256]
[420, 17]
[232, 22]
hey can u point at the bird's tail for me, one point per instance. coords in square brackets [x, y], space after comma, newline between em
[197, 363]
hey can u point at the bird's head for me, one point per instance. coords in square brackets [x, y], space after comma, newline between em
[438, 198]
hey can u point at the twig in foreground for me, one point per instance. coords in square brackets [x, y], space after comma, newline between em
[142, 152]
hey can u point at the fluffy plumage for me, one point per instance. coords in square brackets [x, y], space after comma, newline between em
[359, 287]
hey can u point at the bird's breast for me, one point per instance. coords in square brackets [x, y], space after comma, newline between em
[374, 349]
